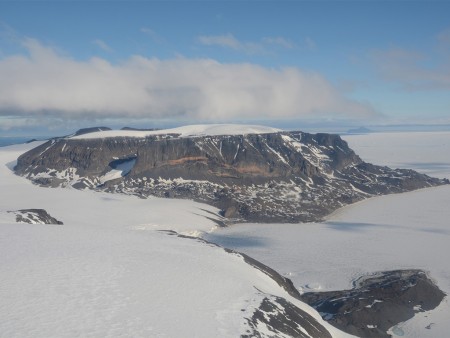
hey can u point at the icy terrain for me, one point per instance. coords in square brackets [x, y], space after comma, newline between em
[426, 152]
[108, 272]
[409, 230]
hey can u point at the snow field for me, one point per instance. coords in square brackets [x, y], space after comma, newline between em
[108, 272]
[426, 152]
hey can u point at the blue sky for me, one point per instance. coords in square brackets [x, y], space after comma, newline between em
[154, 63]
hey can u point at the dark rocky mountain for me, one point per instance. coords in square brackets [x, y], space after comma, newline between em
[272, 177]
[377, 302]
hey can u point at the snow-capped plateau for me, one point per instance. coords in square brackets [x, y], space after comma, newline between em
[185, 131]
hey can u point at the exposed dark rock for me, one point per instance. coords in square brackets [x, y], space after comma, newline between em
[275, 177]
[34, 216]
[279, 316]
[284, 282]
[377, 302]
[275, 314]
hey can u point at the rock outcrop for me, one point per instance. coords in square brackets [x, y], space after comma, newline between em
[377, 302]
[277, 317]
[272, 177]
[34, 216]
[274, 316]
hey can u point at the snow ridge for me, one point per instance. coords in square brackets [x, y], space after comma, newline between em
[186, 131]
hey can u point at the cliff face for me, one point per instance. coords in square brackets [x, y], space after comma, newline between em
[274, 177]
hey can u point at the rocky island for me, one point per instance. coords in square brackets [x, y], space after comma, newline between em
[254, 174]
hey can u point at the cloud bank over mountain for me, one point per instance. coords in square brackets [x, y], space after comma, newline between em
[45, 82]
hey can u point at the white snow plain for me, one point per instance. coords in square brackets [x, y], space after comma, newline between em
[108, 272]
[186, 131]
[426, 152]
[401, 231]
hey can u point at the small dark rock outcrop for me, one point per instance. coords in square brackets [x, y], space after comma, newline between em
[273, 177]
[277, 314]
[377, 302]
[34, 216]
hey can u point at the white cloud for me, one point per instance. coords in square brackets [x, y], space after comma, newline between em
[310, 43]
[229, 41]
[443, 38]
[280, 41]
[427, 69]
[411, 69]
[152, 34]
[266, 45]
[102, 45]
[11, 122]
[45, 83]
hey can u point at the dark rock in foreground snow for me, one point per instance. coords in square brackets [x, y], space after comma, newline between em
[272, 177]
[374, 305]
[34, 216]
[280, 317]
[377, 302]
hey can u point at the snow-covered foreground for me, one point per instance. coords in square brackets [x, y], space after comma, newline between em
[410, 230]
[107, 272]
